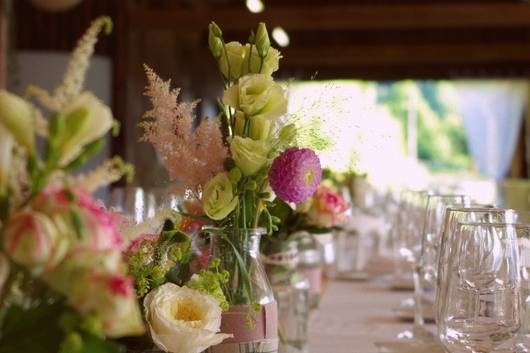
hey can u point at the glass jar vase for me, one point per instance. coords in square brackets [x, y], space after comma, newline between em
[291, 289]
[253, 314]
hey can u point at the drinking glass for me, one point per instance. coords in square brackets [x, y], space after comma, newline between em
[454, 216]
[480, 312]
[424, 266]
[523, 242]
[134, 203]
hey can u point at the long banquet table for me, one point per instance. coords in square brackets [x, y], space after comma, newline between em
[352, 316]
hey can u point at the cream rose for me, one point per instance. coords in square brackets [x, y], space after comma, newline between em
[183, 320]
[250, 155]
[86, 119]
[217, 198]
[257, 95]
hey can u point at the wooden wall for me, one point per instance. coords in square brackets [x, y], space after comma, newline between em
[3, 43]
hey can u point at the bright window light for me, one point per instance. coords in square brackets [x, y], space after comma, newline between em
[255, 6]
[280, 36]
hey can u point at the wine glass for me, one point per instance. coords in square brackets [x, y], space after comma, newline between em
[480, 311]
[134, 203]
[424, 264]
[523, 242]
[453, 216]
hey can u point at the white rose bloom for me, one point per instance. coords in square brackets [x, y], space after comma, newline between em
[183, 320]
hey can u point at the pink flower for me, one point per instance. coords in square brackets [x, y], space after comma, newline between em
[136, 244]
[121, 285]
[295, 174]
[33, 239]
[100, 225]
[328, 209]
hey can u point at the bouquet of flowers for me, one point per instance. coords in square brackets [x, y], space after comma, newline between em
[64, 283]
[234, 166]
[324, 211]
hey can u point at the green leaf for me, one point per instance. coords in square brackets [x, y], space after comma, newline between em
[34, 330]
[77, 222]
[95, 344]
[89, 151]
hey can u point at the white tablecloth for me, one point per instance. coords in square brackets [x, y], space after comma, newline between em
[354, 315]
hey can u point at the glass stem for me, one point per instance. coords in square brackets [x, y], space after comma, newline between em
[418, 299]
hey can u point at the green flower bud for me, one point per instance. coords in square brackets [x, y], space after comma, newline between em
[216, 46]
[235, 175]
[262, 40]
[215, 30]
[239, 125]
[251, 185]
[73, 342]
[260, 128]
[252, 37]
[288, 134]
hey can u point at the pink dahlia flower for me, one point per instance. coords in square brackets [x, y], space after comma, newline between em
[295, 174]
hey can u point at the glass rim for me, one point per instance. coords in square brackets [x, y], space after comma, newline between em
[215, 228]
[495, 224]
[480, 209]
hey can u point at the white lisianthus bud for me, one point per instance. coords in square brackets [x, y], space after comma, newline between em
[86, 119]
[231, 62]
[258, 65]
[262, 40]
[17, 117]
[260, 128]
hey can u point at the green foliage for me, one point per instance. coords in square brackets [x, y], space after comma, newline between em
[51, 327]
[210, 281]
[441, 138]
[157, 262]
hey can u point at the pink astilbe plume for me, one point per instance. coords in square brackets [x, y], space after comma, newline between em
[191, 156]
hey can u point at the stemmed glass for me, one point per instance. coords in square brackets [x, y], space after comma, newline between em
[480, 310]
[454, 216]
[134, 203]
[425, 263]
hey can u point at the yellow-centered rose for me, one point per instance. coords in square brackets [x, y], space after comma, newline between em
[217, 198]
[250, 155]
[183, 320]
[257, 95]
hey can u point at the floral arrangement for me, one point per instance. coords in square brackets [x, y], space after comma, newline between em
[65, 285]
[231, 169]
[237, 163]
[324, 211]
[182, 296]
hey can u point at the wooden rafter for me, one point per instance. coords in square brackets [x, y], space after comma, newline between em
[344, 17]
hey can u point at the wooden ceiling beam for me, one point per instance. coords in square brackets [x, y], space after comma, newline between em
[343, 17]
[337, 56]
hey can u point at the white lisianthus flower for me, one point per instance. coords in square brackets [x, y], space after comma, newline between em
[268, 67]
[232, 59]
[183, 320]
[250, 155]
[218, 198]
[257, 95]
[86, 119]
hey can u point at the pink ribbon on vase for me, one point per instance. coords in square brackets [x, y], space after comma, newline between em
[234, 321]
